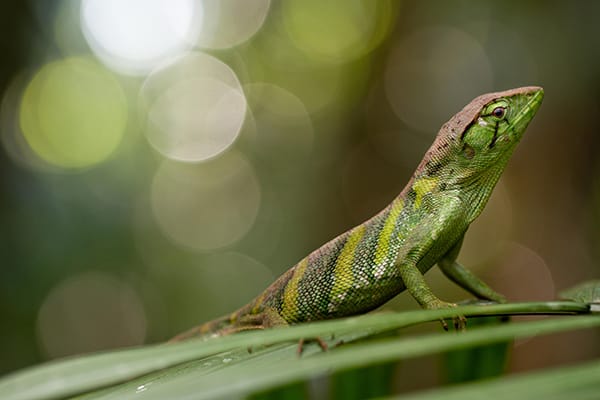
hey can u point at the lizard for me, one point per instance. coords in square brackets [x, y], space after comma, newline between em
[369, 264]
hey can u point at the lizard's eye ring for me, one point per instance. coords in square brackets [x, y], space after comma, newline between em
[499, 112]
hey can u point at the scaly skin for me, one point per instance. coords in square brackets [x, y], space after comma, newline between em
[366, 266]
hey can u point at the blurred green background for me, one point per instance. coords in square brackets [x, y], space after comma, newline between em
[162, 162]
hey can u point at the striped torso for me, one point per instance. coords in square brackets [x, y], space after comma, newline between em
[358, 270]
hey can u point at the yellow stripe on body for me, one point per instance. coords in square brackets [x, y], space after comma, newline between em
[290, 293]
[344, 278]
[422, 187]
[258, 303]
[383, 243]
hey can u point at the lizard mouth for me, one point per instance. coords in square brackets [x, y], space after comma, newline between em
[533, 99]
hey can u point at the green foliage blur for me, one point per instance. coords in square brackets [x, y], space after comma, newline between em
[110, 238]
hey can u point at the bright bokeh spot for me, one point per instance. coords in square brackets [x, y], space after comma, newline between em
[73, 113]
[338, 31]
[11, 135]
[193, 119]
[90, 312]
[206, 206]
[228, 23]
[195, 108]
[433, 73]
[283, 130]
[134, 36]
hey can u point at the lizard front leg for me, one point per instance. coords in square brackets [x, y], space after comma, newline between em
[418, 288]
[416, 248]
[421, 292]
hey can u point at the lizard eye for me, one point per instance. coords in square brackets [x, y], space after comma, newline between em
[499, 112]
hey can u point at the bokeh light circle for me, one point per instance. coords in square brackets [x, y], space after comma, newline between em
[73, 113]
[432, 73]
[326, 86]
[90, 312]
[206, 206]
[203, 281]
[11, 135]
[283, 130]
[228, 23]
[134, 36]
[338, 30]
[195, 108]
[523, 263]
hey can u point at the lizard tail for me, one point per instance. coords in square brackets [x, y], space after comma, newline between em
[205, 329]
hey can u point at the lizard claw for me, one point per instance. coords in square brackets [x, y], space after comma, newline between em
[444, 325]
[459, 323]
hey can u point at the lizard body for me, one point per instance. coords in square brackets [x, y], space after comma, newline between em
[366, 266]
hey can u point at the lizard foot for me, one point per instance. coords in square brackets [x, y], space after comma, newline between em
[459, 322]
[302, 341]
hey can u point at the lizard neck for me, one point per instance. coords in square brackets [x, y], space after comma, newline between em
[476, 191]
[428, 190]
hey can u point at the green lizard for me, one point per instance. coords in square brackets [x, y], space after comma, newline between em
[425, 224]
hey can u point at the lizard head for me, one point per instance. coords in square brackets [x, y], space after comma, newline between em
[473, 147]
[479, 140]
[497, 127]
